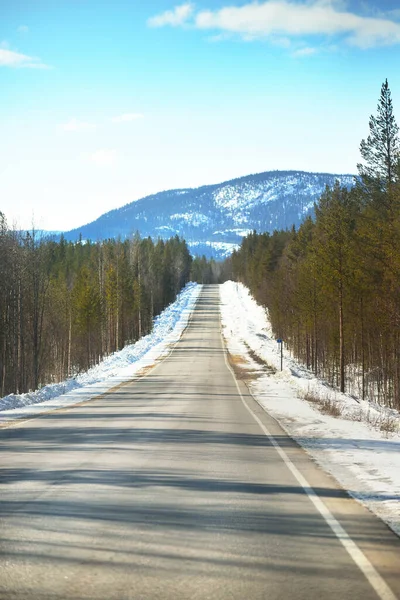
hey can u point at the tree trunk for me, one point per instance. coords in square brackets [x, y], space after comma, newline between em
[341, 340]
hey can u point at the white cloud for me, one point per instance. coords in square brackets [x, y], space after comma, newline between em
[23, 29]
[219, 37]
[75, 125]
[9, 58]
[178, 16]
[257, 20]
[304, 52]
[127, 117]
[104, 157]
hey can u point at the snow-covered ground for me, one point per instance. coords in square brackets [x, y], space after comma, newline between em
[355, 447]
[114, 370]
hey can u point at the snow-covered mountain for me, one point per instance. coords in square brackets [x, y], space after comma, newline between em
[214, 218]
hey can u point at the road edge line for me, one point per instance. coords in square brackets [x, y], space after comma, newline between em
[366, 567]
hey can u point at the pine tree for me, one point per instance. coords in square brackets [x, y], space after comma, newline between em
[381, 150]
[335, 224]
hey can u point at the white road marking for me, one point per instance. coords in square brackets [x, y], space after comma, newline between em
[379, 585]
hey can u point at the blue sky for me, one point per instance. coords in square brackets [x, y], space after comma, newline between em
[105, 102]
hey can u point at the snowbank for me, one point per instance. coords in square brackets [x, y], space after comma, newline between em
[352, 447]
[115, 369]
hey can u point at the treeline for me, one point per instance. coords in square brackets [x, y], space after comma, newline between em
[332, 288]
[207, 271]
[64, 306]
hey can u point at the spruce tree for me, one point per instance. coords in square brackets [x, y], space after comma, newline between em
[381, 150]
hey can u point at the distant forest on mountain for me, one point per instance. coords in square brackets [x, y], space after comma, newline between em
[332, 287]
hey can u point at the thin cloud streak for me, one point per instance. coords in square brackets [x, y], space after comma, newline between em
[16, 60]
[304, 52]
[175, 17]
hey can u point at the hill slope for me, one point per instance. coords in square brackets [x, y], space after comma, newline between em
[214, 218]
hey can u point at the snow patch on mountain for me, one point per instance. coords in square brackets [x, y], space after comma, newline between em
[234, 197]
[220, 249]
[223, 212]
[236, 231]
[195, 218]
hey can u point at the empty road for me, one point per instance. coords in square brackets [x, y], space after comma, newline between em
[179, 486]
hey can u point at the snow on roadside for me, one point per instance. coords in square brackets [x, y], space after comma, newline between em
[363, 459]
[113, 370]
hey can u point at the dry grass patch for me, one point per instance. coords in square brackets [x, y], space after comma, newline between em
[235, 359]
[389, 425]
[242, 369]
[145, 370]
[260, 361]
[330, 407]
[324, 405]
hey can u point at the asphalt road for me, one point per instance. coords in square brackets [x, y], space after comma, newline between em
[178, 486]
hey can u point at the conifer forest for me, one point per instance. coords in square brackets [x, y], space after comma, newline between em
[332, 288]
[64, 306]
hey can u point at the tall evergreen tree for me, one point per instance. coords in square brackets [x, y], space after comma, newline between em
[335, 224]
[381, 150]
